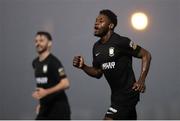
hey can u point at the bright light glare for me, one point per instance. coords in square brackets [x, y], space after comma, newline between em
[139, 21]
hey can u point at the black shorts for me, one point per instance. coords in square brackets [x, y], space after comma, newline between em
[122, 113]
[56, 110]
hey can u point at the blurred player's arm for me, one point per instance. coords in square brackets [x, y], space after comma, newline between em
[41, 92]
[62, 85]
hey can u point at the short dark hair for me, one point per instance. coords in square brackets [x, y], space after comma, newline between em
[112, 17]
[47, 34]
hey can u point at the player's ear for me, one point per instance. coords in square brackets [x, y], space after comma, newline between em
[50, 43]
[111, 26]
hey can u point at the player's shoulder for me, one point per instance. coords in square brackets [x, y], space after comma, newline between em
[54, 61]
[53, 58]
[119, 38]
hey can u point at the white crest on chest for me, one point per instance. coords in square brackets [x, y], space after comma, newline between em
[45, 68]
[111, 51]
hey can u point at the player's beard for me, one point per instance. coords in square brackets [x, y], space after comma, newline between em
[100, 32]
[42, 50]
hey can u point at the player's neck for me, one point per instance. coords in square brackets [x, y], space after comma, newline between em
[105, 38]
[44, 55]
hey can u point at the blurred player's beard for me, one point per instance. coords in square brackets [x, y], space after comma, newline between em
[41, 49]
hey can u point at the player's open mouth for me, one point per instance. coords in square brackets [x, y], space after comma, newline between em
[96, 29]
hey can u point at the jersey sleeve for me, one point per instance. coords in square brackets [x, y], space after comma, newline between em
[131, 48]
[59, 69]
[95, 62]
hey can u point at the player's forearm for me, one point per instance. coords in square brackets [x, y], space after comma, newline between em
[91, 71]
[62, 85]
[146, 60]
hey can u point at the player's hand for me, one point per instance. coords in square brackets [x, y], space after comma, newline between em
[35, 95]
[139, 86]
[78, 62]
[40, 93]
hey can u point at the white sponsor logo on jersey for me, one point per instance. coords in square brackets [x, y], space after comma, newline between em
[42, 80]
[108, 65]
[111, 51]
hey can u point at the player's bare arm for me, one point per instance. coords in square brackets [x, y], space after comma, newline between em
[146, 60]
[78, 62]
[40, 92]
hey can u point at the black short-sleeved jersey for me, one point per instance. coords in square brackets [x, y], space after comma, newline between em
[48, 73]
[115, 59]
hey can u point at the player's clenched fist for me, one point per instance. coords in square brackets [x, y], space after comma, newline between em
[78, 61]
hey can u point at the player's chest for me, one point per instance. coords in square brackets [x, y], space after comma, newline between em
[42, 69]
[107, 52]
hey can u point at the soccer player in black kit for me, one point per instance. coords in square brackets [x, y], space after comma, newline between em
[51, 81]
[112, 57]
